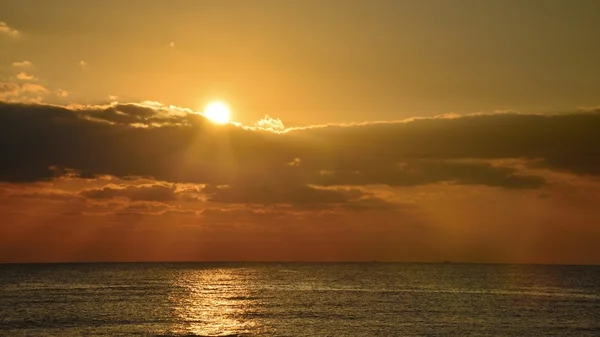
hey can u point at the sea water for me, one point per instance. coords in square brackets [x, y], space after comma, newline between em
[298, 299]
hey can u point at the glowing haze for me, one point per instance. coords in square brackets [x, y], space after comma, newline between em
[300, 130]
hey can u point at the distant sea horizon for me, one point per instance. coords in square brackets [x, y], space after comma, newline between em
[304, 262]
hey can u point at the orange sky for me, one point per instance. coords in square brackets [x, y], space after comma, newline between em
[398, 131]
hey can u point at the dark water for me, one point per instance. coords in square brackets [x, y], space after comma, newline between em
[299, 299]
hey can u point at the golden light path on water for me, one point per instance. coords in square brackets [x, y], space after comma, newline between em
[214, 302]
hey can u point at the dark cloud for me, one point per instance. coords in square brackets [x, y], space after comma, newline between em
[375, 204]
[142, 208]
[174, 145]
[268, 193]
[137, 114]
[45, 194]
[562, 141]
[241, 216]
[421, 172]
[300, 196]
[180, 212]
[159, 193]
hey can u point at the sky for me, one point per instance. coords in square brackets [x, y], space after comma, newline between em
[411, 131]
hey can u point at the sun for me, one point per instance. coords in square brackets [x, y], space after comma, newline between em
[217, 112]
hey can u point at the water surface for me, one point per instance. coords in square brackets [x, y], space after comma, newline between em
[295, 299]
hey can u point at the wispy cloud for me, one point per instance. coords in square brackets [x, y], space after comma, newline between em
[22, 64]
[270, 123]
[62, 93]
[22, 92]
[35, 88]
[25, 77]
[7, 30]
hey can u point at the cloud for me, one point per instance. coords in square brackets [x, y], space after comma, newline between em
[8, 89]
[134, 114]
[239, 215]
[22, 64]
[145, 208]
[14, 89]
[321, 166]
[295, 162]
[297, 194]
[6, 30]
[82, 63]
[34, 88]
[44, 194]
[269, 123]
[24, 77]
[414, 172]
[62, 93]
[137, 189]
[374, 204]
[159, 193]
[269, 192]
[22, 92]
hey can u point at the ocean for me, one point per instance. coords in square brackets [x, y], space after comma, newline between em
[298, 299]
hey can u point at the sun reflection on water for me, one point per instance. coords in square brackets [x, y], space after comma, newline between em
[214, 302]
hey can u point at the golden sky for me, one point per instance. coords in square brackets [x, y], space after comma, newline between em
[361, 130]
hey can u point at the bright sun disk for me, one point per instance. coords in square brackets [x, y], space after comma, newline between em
[217, 112]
